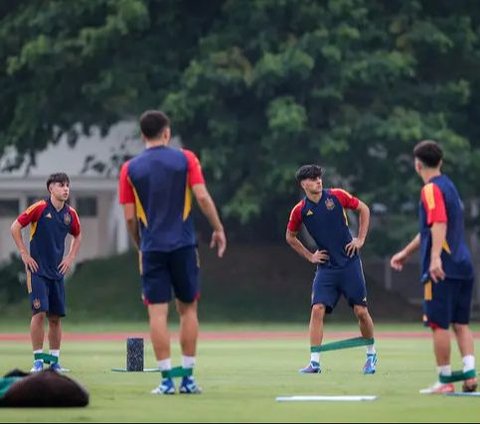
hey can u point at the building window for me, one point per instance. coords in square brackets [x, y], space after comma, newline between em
[86, 206]
[9, 207]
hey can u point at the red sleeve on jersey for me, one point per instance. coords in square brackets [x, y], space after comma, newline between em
[345, 198]
[32, 213]
[295, 221]
[75, 225]
[195, 175]
[125, 188]
[434, 204]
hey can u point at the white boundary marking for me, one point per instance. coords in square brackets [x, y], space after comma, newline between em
[344, 398]
[466, 394]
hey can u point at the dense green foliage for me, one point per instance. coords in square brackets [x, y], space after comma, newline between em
[257, 90]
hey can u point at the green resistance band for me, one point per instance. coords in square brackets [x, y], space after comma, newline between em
[48, 359]
[457, 376]
[177, 372]
[343, 344]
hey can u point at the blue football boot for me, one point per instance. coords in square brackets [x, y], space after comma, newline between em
[37, 366]
[370, 364]
[312, 368]
[189, 386]
[166, 387]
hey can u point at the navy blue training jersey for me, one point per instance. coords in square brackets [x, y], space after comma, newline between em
[326, 222]
[440, 202]
[158, 181]
[48, 230]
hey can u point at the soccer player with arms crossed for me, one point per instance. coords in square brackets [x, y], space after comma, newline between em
[339, 268]
[50, 220]
[447, 269]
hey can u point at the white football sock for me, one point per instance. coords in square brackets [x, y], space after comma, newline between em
[468, 363]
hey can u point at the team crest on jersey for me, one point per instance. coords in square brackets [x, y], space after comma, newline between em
[330, 204]
[36, 303]
[67, 218]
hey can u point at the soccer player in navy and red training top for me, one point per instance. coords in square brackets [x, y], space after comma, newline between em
[339, 269]
[156, 189]
[447, 269]
[50, 221]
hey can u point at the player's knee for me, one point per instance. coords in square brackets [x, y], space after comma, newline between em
[187, 309]
[318, 310]
[459, 328]
[39, 317]
[54, 320]
[361, 312]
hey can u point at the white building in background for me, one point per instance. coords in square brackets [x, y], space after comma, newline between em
[93, 193]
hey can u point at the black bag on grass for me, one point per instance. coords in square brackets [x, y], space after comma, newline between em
[47, 388]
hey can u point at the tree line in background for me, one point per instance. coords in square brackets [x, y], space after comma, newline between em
[257, 88]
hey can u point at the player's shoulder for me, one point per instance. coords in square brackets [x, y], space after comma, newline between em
[189, 154]
[72, 210]
[335, 191]
[430, 189]
[37, 205]
[300, 205]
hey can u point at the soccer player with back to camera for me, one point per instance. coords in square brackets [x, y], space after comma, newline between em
[155, 189]
[447, 269]
[339, 268]
[51, 220]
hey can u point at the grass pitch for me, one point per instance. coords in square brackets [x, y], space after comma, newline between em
[242, 378]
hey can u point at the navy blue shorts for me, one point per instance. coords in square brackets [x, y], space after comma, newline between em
[163, 272]
[46, 295]
[330, 283]
[447, 302]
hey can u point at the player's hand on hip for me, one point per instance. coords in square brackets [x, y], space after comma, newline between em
[436, 269]
[354, 246]
[30, 263]
[220, 241]
[65, 265]
[397, 261]
[319, 257]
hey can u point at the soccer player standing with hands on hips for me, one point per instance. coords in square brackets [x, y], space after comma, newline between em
[447, 269]
[50, 221]
[339, 268]
[155, 189]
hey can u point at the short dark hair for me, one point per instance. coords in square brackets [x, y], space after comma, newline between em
[307, 172]
[153, 122]
[429, 153]
[58, 177]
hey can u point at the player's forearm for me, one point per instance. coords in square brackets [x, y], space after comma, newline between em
[16, 230]
[132, 227]
[208, 208]
[439, 233]
[75, 247]
[364, 222]
[413, 246]
[298, 246]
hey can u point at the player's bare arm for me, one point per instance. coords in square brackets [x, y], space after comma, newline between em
[30, 263]
[439, 234]
[208, 208]
[317, 257]
[130, 215]
[364, 222]
[398, 260]
[69, 259]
